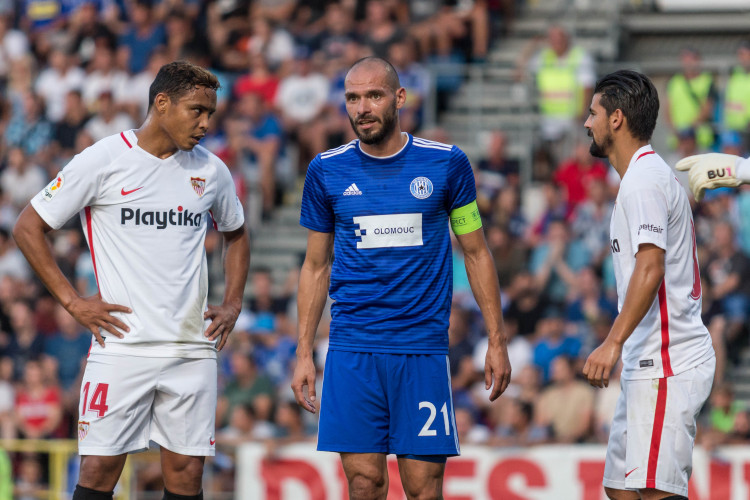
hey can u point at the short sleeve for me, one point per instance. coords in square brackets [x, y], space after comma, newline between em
[72, 189]
[648, 217]
[317, 213]
[226, 209]
[462, 188]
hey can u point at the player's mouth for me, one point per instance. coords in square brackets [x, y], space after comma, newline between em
[366, 124]
[197, 138]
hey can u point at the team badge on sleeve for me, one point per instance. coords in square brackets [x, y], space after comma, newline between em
[199, 185]
[83, 429]
[53, 187]
[421, 187]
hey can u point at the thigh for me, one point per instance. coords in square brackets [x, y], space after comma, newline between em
[421, 405]
[114, 410]
[184, 410]
[353, 406]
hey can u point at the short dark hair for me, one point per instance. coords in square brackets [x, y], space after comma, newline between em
[178, 78]
[633, 94]
[391, 75]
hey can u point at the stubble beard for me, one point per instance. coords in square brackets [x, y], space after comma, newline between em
[601, 150]
[387, 125]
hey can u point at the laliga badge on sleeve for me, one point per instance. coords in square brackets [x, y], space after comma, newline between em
[53, 187]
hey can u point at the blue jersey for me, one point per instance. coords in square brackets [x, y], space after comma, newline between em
[391, 279]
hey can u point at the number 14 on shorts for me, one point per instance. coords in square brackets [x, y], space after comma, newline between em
[98, 402]
[427, 429]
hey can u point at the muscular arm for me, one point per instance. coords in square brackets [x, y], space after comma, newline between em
[647, 277]
[29, 233]
[311, 299]
[236, 263]
[480, 269]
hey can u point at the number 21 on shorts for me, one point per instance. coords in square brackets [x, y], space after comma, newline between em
[427, 429]
[98, 402]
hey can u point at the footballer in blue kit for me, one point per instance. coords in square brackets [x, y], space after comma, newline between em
[382, 206]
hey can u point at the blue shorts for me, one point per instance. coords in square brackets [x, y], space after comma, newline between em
[387, 403]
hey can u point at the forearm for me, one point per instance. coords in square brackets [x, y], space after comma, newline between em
[483, 280]
[236, 263]
[311, 299]
[642, 290]
[30, 238]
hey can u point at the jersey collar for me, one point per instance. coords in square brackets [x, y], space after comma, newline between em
[394, 156]
[643, 151]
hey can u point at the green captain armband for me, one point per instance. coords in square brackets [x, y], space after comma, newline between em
[466, 219]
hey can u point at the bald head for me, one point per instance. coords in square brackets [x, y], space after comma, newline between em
[377, 65]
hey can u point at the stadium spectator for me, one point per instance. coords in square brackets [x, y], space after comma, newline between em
[72, 123]
[378, 30]
[301, 100]
[414, 78]
[588, 305]
[567, 405]
[737, 96]
[243, 427]
[38, 409]
[590, 223]
[469, 431]
[7, 399]
[107, 120]
[56, 80]
[258, 80]
[12, 263]
[576, 173]
[136, 101]
[143, 35]
[508, 253]
[104, 76]
[26, 343]
[527, 304]
[21, 178]
[552, 341]
[68, 346]
[14, 45]
[516, 428]
[555, 261]
[727, 270]
[28, 129]
[564, 74]
[507, 214]
[245, 386]
[30, 484]
[691, 100]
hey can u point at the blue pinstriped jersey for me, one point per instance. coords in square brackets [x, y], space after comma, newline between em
[391, 280]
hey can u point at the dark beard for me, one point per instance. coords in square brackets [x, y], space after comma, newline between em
[600, 150]
[388, 124]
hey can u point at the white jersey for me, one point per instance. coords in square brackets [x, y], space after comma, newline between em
[145, 220]
[652, 207]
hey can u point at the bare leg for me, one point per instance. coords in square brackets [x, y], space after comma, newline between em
[614, 494]
[367, 475]
[101, 473]
[652, 494]
[421, 480]
[183, 474]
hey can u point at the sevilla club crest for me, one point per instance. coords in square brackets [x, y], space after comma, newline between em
[199, 185]
[83, 429]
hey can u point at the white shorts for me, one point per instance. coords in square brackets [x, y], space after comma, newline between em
[653, 431]
[128, 400]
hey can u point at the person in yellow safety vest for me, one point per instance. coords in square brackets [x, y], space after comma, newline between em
[737, 94]
[691, 100]
[565, 78]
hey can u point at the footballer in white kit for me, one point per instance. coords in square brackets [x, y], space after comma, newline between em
[668, 360]
[145, 221]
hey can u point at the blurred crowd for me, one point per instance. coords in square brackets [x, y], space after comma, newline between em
[75, 71]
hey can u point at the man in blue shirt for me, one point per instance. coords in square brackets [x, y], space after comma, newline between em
[384, 203]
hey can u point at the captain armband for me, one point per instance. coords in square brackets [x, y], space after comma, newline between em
[466, 219]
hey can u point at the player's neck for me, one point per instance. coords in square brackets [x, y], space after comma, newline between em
[622, 153]
[153, 140]
[388, 147]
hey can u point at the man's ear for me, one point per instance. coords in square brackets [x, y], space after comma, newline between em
[161, 103]
[616, 119]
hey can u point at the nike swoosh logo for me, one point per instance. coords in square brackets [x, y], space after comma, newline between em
[626, 475]
[125, 193]
[211, 442]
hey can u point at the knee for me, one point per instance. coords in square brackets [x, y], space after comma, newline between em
[100, 473]
[428, 492]
[367, 486]
[188, 474]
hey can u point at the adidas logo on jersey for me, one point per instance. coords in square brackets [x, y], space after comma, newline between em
[352, 190]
